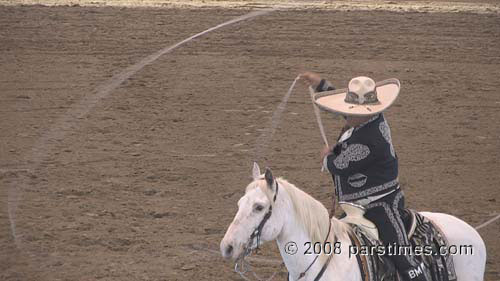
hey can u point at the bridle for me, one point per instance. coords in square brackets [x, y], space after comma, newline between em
[242, 267]
[258, 230]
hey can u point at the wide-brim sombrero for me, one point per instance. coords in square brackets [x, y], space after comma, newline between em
[334, 101]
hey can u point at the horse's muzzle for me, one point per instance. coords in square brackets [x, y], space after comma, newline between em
[227, 250]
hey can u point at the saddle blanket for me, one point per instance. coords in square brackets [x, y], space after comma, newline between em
[424, 233]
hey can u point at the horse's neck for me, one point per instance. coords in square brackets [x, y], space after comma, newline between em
[340, 267]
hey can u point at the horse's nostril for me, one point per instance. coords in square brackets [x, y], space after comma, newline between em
[229, 250]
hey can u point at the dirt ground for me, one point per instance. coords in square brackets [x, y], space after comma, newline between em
[144, 185]
[453, 6]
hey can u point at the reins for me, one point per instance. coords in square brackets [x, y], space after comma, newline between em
[323, 269]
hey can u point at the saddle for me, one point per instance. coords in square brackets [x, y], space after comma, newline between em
[421, 232]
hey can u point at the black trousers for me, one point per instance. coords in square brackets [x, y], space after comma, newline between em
[386, 214]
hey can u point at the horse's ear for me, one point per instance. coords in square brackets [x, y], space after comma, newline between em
[256, 171]
[269, 178]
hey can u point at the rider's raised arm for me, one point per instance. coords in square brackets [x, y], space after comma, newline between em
[315, 81]
[324, 85]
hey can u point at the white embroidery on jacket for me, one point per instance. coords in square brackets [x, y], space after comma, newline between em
[368, 191]
[386, 133]
[353, 152]
[357, 180]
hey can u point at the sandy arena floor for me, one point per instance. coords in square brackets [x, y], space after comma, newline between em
[142, 185]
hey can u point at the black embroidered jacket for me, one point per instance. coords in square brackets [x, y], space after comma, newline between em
[363, 164]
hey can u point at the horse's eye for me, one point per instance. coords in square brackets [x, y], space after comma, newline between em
[258, 208]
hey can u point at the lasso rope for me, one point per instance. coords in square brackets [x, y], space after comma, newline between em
[267, 136]
[318, 117]
[242, 266]
[487, 222]
[69, 121]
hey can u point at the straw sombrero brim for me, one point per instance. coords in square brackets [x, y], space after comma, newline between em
[333, 101]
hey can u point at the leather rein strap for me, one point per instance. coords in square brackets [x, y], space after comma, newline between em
[362, 263]
[325, 266]
[323, 269]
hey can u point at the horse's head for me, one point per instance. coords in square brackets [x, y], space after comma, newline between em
[256, 221]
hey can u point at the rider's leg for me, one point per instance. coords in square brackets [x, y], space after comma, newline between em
[385, 213]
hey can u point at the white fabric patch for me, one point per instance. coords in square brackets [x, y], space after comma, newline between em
[347, 134]
[354, 152]
[386, 133]
[357, 180]
[325, 164]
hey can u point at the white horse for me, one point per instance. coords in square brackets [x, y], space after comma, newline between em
[297, 221]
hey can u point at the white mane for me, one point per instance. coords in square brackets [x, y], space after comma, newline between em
[309, 211]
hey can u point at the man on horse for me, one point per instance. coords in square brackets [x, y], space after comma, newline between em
[363, 162]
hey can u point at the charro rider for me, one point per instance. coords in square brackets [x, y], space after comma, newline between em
[363, 162]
